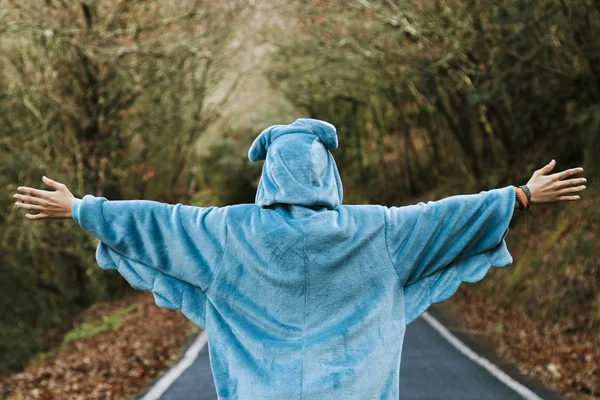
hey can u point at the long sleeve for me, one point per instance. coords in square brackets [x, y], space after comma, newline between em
[174, 251]
[436, 246]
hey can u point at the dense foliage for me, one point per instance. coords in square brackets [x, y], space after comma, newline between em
[432, 92]
[109, 97]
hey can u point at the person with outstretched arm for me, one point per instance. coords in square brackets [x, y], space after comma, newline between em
[301, 296]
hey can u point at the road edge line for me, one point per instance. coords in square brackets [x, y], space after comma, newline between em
[525, 392]
[165, 382]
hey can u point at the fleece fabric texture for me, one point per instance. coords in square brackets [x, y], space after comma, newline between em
[301, 297]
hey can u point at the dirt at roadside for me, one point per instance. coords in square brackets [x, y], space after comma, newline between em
[111, 365]
[550, 353]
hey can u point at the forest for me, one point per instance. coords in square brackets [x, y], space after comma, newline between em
[160, 100]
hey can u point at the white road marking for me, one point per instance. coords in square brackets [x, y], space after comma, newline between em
[491, 368]
[192, 353]
[165, 382]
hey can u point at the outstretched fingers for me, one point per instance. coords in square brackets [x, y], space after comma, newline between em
[44, 194]
[568, 198]
[30, 206]
[572, 189]
[570, 182]
[566, 188]
[50, 204]
[551, 188]
[566, 173]
[36, 216]
[31, 199]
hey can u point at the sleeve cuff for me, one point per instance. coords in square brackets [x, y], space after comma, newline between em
[75, 210]
[511, 208]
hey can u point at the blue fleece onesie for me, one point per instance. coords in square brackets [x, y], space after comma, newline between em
[301, 296]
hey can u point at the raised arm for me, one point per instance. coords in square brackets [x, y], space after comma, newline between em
[427, 237]
[172, 250]
[437, 245]
[181, 241]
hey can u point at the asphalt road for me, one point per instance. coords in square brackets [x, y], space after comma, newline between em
[431, 369]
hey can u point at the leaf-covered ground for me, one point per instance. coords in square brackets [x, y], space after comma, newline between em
[565, 361]
[114, 352]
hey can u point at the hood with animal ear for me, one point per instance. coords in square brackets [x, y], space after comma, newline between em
[298, 168]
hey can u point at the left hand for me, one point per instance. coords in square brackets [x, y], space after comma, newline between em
[50, 204]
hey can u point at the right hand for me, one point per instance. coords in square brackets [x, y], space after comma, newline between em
[551, 188]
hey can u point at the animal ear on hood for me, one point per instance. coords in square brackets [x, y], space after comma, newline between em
[258, 150]
[324, 130]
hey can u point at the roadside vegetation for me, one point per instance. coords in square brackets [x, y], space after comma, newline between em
[430, 99]
[115, 351]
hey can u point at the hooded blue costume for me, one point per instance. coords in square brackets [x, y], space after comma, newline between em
[301, 297]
